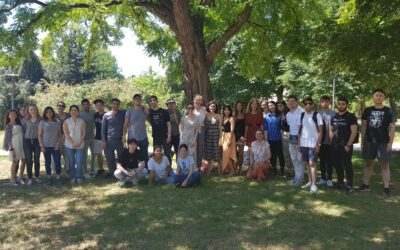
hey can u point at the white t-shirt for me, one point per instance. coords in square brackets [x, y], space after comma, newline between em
[309, 132]
[186, 164]
[292, 118]
[160, 169]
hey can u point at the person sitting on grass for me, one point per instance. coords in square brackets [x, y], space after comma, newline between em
[188, 174]
[160, 167]
[131, 164]
[260, 154]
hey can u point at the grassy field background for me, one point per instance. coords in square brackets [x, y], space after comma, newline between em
[222, 213]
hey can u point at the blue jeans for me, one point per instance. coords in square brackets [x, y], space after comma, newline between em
[144, 148]
[75, 159]
[170, 179]
[50, 151]
[31, 147]
[193, 180]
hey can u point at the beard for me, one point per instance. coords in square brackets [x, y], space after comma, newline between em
[342, 109]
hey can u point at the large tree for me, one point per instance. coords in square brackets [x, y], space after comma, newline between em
[199, 28]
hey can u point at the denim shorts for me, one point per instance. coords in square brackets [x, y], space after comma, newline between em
[308, 154]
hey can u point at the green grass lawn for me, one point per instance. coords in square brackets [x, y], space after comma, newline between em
[222, 213]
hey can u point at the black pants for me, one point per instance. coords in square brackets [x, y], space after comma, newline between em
[175, 143]
[32, 155]
[342, 163]
[277, 152]
[325, 162]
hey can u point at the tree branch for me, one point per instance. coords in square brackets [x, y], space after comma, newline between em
[207, 2]
[21, 2]
[218, 44]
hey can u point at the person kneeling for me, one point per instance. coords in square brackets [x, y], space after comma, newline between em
[160, 167]
[188, 174]
[131, 164]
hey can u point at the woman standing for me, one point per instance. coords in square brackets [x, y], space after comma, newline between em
[272, 129]
[283, 109]
[160, 167]
[212, 124]
[240, 125]
[228, 141]
[200, 111]
[49, 140]
[30, 125]
[13, 143]
[74, 131]
[254, 121]
[260, 154]
[190, 127]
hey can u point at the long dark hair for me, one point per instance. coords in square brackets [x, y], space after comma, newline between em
[230, 110]
[236, 111]
[7, 118]
[45, 111]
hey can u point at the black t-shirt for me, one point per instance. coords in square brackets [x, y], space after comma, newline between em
[130, 161]
[158, 120]
[378, 121]
[98, 121]
[341, 125]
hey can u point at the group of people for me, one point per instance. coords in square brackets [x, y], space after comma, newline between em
[250, 140]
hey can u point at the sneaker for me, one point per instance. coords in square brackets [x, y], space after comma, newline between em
[321, 182]
[364, 188]
[349, 189]
[37, 179]
[86, 176]
[386, 192]
[73, 181]
[79, 181]
[313, 189]
[329, 183]
[308, 185]
[21, 181]
[14, 183]
[30, 182]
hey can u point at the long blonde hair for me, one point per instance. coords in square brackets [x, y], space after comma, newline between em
[28, 115]
[248, 109]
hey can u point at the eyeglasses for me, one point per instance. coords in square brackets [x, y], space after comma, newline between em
[308, 104]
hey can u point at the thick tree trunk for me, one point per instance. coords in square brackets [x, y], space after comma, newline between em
[279, 93]
[189, 31]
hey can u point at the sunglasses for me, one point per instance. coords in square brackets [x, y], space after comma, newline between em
[308, 103]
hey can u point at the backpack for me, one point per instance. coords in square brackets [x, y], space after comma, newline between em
[314, 117]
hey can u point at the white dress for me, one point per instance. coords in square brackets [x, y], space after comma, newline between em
[17, 143]
[189, 126]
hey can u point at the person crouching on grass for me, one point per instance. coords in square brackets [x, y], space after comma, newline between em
[131, 164]
[188, 174]
[160, 167]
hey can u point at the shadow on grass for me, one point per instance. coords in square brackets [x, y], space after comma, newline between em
[227, 213]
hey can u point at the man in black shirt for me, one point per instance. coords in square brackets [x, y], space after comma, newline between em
[343, 131]
[377, 134]
[97, 145]
[160, 126]
[131, 164]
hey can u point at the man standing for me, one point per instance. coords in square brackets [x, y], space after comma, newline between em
[342, 133]
[325, 162]
[310, 137]
[97, 148]
[88, 116]
[160, 126]
[175, 117]
[292, 118]
[131, 164]
[377, 134]
[135, 125]
[112, 134]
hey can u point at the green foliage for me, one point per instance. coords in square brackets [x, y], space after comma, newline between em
[31, 69]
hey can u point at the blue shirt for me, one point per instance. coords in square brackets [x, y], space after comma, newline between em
[185, 164]
[272, 126]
